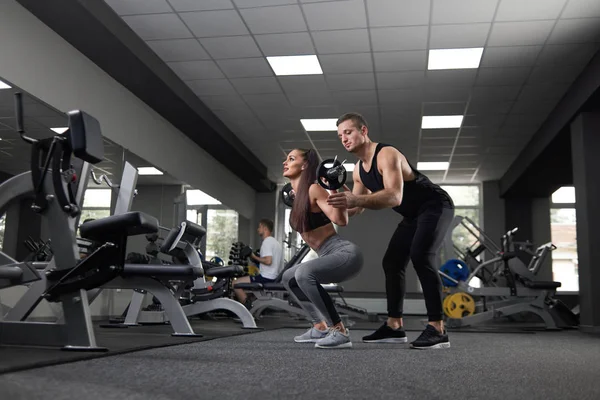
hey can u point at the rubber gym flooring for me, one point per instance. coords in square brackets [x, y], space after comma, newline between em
[230, 363]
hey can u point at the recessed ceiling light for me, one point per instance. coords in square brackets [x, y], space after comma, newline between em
[326, 124]
[197, 197]
[4, 85]
[59, 130]
[455, 58]
[149, 171]
[441, 121]
[295, 65]
[433, 166]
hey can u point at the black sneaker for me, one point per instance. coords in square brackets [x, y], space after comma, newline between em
[385, 334]
[430, 338]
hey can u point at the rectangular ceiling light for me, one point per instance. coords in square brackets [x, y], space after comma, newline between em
[4, 85]
[455, 58]
[59, 130]
[326, 124]
[149, 171]
[433, 166]
[441, 121]
[295, 65]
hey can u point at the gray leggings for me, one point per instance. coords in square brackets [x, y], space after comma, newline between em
[339, 260]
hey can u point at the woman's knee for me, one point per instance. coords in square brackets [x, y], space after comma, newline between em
[287, 277]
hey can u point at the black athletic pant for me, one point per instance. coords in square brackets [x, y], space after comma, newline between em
[417, 239]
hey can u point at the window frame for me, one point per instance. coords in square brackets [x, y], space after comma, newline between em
[558, 206]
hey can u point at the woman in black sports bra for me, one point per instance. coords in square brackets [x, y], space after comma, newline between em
[339, 259]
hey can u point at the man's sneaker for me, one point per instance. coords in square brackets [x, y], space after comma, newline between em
[311, 336]
[430, 338]
[335, 340]
[385, 334]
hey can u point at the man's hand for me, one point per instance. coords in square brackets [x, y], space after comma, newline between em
[342, 200]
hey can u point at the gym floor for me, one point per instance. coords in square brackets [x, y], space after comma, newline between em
[229, 362]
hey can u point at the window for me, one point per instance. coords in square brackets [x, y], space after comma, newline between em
[563, 223]
[467, 202]
[221, 232]
[2, 225]
[292, 240]
[96, 204]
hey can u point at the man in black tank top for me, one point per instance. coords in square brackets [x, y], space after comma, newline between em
[383, 178]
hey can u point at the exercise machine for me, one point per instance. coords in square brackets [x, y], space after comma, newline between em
[66, 279]
[203, 296]
[510, 289]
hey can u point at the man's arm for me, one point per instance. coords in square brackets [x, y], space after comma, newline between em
[358, 189]
[266, 260]
[391, 195]
[390, 163]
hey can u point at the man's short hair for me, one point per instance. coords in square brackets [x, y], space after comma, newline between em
[267, 223]
[358, 120]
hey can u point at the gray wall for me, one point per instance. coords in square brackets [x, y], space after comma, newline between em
[493, 210]
[542, 233]
[371, 231]
[71, 81]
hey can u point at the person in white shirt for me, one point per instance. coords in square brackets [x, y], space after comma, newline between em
[269, 263]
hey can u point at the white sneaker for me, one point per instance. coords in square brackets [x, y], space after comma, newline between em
[336, 339]
[311, 336]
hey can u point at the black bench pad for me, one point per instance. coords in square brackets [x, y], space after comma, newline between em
[11, 273]
[174, 271]
[129, 224]
[219, 271]
[541, 284]
[278, 287]
[248, 286]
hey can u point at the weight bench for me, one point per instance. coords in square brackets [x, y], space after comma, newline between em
[204, 296]
[272, 294]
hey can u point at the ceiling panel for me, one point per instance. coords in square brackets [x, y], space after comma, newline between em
[346, 63]
[404, 38]
[214, 23]
[139, 6]
[582, 9]
[384, 13]
[346, 41]
[514, 56]
[286, 44]
[463, 11]
[525, 33]
[364, 81]
[245, 67]
[373, 54]
[179, 50]
[458, 36]
[195, 5]
[401, 61]
[586, 30]
[158, 26]
[336, 15]
[274, 19]
[518, 10]
[231, 47]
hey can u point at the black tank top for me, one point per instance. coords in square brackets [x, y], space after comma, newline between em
[317, 220]
[416, 193]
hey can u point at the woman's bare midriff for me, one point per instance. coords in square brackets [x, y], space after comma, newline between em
[317, 237]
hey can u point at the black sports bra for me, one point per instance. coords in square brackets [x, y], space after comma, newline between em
[317, 220]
